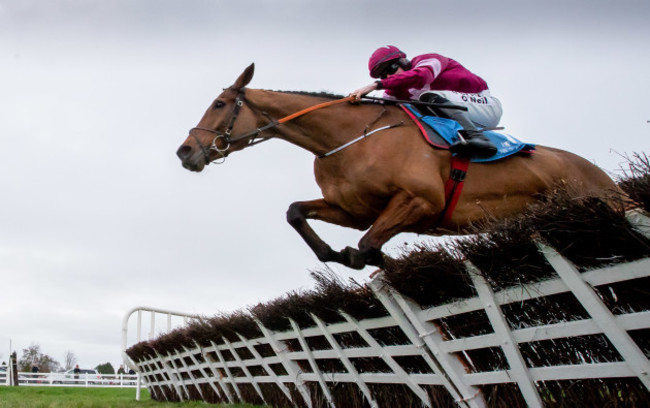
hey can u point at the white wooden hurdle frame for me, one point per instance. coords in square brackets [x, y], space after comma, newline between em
[425, 341]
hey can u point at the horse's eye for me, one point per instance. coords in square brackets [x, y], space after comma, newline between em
[218, 104]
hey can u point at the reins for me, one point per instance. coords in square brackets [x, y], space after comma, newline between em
[253, 135]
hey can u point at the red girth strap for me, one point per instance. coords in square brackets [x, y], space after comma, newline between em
[454, 186]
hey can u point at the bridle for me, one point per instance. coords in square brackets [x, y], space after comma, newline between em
[226, 138]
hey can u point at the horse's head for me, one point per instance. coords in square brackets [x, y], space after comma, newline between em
[222, 129]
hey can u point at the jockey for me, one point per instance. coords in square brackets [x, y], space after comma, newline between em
[441, 80]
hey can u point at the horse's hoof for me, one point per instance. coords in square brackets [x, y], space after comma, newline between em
[352, 258]
[374, 257]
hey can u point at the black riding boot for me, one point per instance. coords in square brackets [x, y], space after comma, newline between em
[473, 142]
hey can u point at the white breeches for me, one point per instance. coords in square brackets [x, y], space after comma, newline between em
[483, 109]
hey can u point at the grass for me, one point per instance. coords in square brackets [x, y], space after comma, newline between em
[72, 397]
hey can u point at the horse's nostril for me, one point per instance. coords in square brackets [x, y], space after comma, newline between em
[183, 152]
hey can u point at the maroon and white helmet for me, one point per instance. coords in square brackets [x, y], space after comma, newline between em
[382, 57]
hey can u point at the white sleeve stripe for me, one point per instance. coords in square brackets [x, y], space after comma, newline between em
[433, 63]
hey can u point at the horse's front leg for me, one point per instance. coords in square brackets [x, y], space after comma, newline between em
[297, 216]
[404, 213]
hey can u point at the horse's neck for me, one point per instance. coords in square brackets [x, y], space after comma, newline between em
[318, 131]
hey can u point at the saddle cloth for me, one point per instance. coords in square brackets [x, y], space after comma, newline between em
[442, 132]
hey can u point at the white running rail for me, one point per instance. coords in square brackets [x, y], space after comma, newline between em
[69, 380]
[153, 314]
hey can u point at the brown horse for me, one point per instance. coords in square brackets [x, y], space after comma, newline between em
[389, 182]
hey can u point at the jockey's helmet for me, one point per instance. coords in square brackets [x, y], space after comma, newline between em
[383, 57]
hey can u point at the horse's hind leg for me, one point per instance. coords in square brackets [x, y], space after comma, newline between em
[297, 216]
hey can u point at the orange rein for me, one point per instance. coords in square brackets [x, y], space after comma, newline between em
[315, 107]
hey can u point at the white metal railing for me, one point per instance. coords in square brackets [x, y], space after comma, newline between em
[153, 313]
[72, 380]
[225, 367]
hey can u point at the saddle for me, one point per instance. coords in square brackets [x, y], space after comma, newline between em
[443, 132]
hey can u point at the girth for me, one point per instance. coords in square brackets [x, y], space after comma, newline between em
[453, 187]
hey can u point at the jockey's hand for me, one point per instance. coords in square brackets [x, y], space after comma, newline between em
[363, 91]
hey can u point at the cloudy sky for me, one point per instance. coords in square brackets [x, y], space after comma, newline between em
[97, 214]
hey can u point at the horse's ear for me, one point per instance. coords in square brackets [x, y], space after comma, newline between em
[245, 77]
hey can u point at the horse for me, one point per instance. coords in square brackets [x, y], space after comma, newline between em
[375, 170]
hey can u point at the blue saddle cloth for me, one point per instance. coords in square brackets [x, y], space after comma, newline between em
[447, 129]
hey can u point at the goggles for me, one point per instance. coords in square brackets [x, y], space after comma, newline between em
[390, 70]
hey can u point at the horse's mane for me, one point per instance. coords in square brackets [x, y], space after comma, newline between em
[321, 94]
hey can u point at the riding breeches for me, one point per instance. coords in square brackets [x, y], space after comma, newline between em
[483, 109]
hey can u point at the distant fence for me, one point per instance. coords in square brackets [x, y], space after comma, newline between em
[66, 380]
[409, 356]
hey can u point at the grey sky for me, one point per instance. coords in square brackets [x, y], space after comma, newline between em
[97, 214]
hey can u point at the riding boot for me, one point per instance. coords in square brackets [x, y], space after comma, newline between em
[473, 142]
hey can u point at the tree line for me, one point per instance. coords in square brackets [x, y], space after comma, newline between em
[34, 360]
